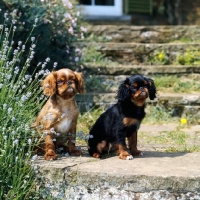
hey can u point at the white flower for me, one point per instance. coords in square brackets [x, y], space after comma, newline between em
[34, 157]
[15, 141]
[1, 85]
[55, 64]
[45, 133]
[24, 98]
[47, 59]
[67, 155]
[29, 141]
[71, 30]
[83, 29]
[91, 136]
[32, 39]
[13, 119]
[47, 86]
[80, 133]
[76, 59]
[52, 130]
[9, 110]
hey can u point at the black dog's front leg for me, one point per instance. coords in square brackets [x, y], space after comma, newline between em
[121, 147]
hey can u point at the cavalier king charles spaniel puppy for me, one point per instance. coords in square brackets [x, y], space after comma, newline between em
[58, 118]
[123, 119]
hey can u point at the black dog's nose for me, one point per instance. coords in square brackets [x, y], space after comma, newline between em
[141, 88]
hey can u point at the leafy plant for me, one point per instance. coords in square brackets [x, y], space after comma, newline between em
[159, 58]
[91, 55]
[191, 56]
[20, 99]
[57, 31]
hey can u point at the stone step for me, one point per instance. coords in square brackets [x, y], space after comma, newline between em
[137, 53]
[118, 69]
[178, 104]
[144, 34]
[156, 175]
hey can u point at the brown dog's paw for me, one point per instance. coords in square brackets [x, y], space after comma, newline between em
[125, 156]
[50, 154]
[76, 152]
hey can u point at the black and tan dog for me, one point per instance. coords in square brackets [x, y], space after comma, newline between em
[123, 119]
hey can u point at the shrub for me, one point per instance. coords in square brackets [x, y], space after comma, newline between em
[57, 30]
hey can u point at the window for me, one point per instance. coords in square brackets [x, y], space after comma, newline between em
[97, 2]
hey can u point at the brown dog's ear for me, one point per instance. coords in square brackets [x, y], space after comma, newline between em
[49, 84]
[80, 83]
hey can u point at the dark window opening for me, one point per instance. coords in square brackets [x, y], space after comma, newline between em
[104, 2]
[85, 2]
[98, 2]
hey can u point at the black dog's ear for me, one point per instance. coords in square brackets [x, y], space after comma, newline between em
[123, 90]
[152, 89]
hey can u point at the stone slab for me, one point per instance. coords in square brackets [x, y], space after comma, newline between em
[140, 53]
[156, 175]
[177, 172]
[117, 69]
[144, 34]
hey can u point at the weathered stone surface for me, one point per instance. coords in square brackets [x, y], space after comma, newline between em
[182, 99]
[179, 104]
[156, 175]
[122, 70]
[163, 173]
[136, 53]
[145, 34]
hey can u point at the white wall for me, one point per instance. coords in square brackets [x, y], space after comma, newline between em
[116, 10]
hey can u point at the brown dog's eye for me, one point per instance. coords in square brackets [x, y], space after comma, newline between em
[59, 82]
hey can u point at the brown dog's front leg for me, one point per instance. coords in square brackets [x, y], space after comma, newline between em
[132, 140]
[50, 148]
[71, 142]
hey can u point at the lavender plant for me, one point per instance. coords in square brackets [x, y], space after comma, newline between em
[20, 99]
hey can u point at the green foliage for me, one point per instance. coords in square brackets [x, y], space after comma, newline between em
[87, 119]
[158, 115]
[190, 57]
[20, 100]
[57, 30]
[176, 84]
[159, 58]
[91, 55]
[94, 84]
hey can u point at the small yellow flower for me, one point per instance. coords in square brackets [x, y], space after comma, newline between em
[160, 55]
[183, 121]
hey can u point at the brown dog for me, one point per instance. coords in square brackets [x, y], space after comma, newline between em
[58, 118]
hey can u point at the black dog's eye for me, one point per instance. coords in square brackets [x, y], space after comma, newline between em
[135, 85]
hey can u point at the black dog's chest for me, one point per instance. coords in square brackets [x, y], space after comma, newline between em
[132, 128]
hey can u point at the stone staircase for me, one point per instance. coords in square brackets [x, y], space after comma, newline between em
[129, 49]
[156, 175]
